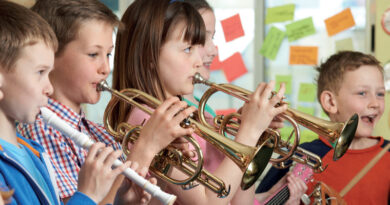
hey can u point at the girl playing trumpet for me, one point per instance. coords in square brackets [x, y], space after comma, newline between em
[158, 53]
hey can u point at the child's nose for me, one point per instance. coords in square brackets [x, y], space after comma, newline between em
[213, 50]
[374, 102]
[104, 69]
[198, 59]
[48, 89]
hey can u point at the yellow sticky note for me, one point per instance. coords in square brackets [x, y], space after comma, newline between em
[300, 29]
[307, 92]
[339, 22]
[280, 13]
[303, 55]
[344, 45]
[272, 43]
[287, 80]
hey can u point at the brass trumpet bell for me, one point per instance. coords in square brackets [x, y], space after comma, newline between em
[335, 132]
[339, 134]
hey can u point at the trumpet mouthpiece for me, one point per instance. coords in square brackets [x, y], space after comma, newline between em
[102, 86]
[199, 79]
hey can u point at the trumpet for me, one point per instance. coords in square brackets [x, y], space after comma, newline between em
[337, 133]
[251, 160]
[84, 141]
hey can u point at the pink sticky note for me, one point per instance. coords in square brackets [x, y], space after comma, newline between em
[225, 111]
[232, 28]
[234, 67]
[216, 64]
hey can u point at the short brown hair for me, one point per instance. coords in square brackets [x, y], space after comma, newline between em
[148, 24]
[66, 16]
[20, 27]
[331, 72]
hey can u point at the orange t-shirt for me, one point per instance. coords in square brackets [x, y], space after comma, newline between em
[373, 188]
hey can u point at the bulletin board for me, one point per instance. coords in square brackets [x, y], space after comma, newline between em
[299, 35]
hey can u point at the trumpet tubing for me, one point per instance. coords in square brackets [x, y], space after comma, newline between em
[339, 133]
[296, 154]
[127, 133]
[252, 160]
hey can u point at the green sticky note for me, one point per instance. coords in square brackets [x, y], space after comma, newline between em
[286, 79]
[323, 115]
[272, 43]
[307, 110]
[307, 136]
[280, 13]
[344, 45]
[300, 29]
[285, 132]
[307, 92]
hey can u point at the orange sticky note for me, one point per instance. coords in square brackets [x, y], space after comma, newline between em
[339, 22]
[232, 28]
[216, 64]
[225, 111]
[303, 55]
[234, 67]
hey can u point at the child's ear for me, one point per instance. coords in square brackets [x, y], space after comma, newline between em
[328, 102]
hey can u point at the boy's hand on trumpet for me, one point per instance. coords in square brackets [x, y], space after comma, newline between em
[258, 113]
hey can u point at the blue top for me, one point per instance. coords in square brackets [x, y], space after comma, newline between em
[21, 155]
[29, 176]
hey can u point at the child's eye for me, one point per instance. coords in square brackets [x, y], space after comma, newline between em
[109, 55]
[93, 55]
[381, 94]
[40, 72]
[188, 50]
[362, 93]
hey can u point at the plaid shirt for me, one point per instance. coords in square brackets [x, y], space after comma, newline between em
[66, 156]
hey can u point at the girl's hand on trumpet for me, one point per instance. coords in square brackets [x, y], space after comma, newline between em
[162, 128]
[258, 113]
[277, 122]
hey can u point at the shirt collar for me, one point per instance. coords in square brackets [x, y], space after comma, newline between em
[66, 113]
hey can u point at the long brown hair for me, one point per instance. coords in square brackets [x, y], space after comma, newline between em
[147, 25]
